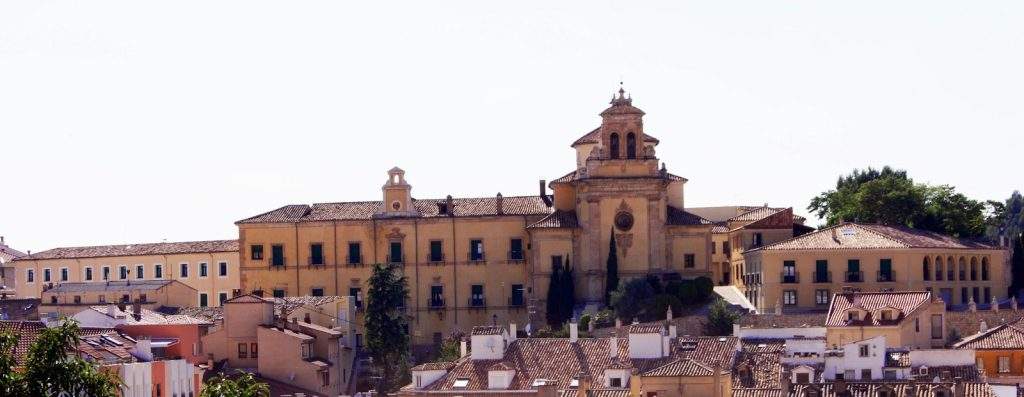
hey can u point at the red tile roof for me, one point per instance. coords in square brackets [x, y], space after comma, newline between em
[557, 219]
[99, 251]
[650, 328]
[680, 217]
[575, 176]
[28, 333]
[904, 302]
[429, 208]
[443, 366]
[1003, 337]
[107, 348]
[872, 236]
[487, 330]
[756, 214]
[149, 317]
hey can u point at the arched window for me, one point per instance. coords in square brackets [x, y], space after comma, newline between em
[614, 149]
[963, 269]
[974, 268]
[631, 146]
[926, 270]
[938, 268]
[950, 268]
[984, 269]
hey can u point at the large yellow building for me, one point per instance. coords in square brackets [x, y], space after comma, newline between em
[474, 261]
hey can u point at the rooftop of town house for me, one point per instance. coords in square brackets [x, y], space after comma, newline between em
[142, 249]
[851, 235]
[27, 333]
[149, 317]
[870, 389]
[12, 309]
[870, 304]
[1007, 336]
[425, 208]
[110, 286]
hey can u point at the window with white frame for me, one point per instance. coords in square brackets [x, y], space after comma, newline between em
[789, 297]
[63, 274]
[30, 276]
[1004, 364]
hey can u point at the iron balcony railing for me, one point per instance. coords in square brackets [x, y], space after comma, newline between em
[789, 278]
[823, 277]
[886, 277]
[477, 302]
[855, 277]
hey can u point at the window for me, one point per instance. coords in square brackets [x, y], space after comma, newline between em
[316, 254]
[204, 269]
[887, 315]
[476, 250]
[988, 294]
[277, 255]
[885, 270]
[689, 261]
[864, 350]
[278, 293]
[326, 377]
[140, 271]
[126, 298]
[78, 299]
[460, 382]
[122, 272]
[103, 299]
[613, 146]
[355, 257]
[852, 315]
[305, 351]
[517, 295]
[917, 324]
[204, 301]
[865, 374]
[936, 326]
[256, 252]
[222, 269]
[184, 270]
[1004, 364]
[30, 276]
[714, 249]
[63, 274]
[758, 239]
[963, 295]
[615, 382]
[803, 378]
[142, 298]
[789, 297]
[318, 291]
[630, 145]
[926, 270]
[158, 271]
[88, 274]
[853, 274]
[46, 275]
[437, 295]
[848, 374]
[476, 295]
[436, 251]
[980, 363]
[221, 297]
[515, 251]
[243, 350]
[821, 296]
[356, 294]
[53, 299]
[106, 273]
[889, 374]
[789, 272]
[395, 252]
[254, 350]
[726, 249]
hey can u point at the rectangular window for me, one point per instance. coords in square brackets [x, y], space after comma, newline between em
[889, 374]
[30, 276]
[103, 299]
[517, 295]
[184, 270]
[221, 297]
[864, 350]
[821, 271]
[142, 298]
[277, 255]
[140, 271]
[122, 272]
[356, 294]
[789, 297]
[476, 295]
[243, 350]
[917, 324]
[395, 252]
[158, 271]
[1004, 364]
[278, 293]
[106, 273]
[78, 299]
[46, 275]
[976, 295]
[254, 350]
[204, 269]
[437, 295]
[222, 269]
[436, 251]
[822, 296]
[515, 251]
[887, 315]
[758, 239]
[304, 352]
[885, 270]
[88, 274]
[355, 255]
[476, 250]
[316, 254]
[865, 374]
[326, 376]
[204, 301]
[936, 326]
[317, 291]
[714, 249]
[803, 378]
[256, 252]
[848, 374]
[963, 295]
[988, 294]
[689, 261]
[853, 274]
[727, 249]
[63, 274]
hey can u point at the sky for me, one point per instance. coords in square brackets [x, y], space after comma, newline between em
[142, 121]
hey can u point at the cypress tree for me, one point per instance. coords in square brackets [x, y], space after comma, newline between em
[568, 288]
[553, 307]
[612, 269]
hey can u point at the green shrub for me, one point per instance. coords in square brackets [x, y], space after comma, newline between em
[660, 304]
[585, 322]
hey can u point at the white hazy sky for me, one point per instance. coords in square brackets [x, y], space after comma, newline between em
[138, 121]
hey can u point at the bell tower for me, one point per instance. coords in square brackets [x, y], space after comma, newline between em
[622, 129]
[397, 195]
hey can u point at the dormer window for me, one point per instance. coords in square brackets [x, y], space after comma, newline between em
[887, 315]
[852, 315]
[615, 382]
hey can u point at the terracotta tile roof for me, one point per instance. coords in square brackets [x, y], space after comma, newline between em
[756, 214]
[677, 216]
[211, 314]
[785, 320]
[27, 333]
[429, 208]
[720, 228]
[598, 393]
[110, 286]
[1002, 337]
[8, 254]
[557, 219]
[905, 302]
[872, 236]
[680, 367]
[900, 389]
[758, 364]
[249, 298]
[19, 309]
[575, 176]
[649, 328]
[150, 317]
[99, 251]
[488, 330]
[107, 348]
[594, 136]
[969, 323]
[443, 366]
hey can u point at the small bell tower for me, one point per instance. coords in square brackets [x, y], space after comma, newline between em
[397, 195]
[622, 130]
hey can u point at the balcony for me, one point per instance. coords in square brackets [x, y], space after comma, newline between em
[789, 277]
[855, 277]
[396, 259]
[278, 262]
[516, 301]
[823, 277]
[478, 303]
[315, 261]
[475, 257]
[435, 260]
[354, 260]
[886, 277]
[516, 256]
[436, 303]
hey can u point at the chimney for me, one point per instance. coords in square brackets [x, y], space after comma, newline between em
[835, 237]
[137, 309]
[449, 209]
[574, 330]
[613, 347]
[512, 332]
[1013, 303]
[111, 310]
[548, 389]
[717, 381]
[983, 326]
[462, 347]
[585, 382]
[498, 201]
[544, 193]
[672, 333]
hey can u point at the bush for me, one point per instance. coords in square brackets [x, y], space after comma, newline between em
[585, 322]
[630, 299]
[655, 283]
[660, 304]
[604, 318]
[705, 289]
[720, 319]
[687, 292]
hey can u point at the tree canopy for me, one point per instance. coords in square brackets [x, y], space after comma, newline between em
[52, 368]
[386, 325]
[890, 196]
[561, 297]
[243, 385]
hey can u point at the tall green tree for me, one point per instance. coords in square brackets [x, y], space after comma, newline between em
[386, 323]
[611, 269]
[12, 383]
[243, 385]
[553, 306]
[891, 197]
[52, 368]
[720, 319]
[568, 287]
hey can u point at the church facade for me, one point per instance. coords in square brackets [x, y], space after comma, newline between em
[474, 261]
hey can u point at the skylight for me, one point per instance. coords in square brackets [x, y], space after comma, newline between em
[539, 382]
[461, 382]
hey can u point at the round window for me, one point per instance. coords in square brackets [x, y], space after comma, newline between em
[624, 221]
[396, 205]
